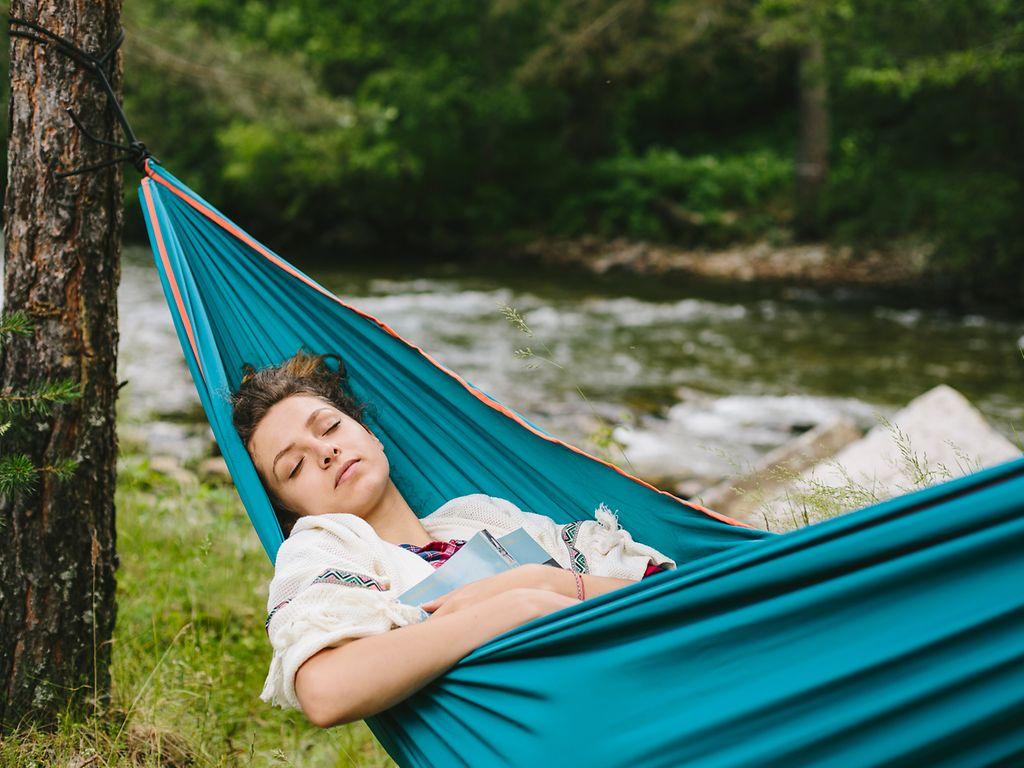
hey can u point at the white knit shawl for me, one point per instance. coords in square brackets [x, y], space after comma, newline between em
[335, 578]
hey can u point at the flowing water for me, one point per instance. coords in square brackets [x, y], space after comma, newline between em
[696, 379]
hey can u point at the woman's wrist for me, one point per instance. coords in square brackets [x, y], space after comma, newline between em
[538, 576]
[561, 580]
[565, 582]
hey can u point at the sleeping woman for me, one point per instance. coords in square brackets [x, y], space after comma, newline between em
[344, 647]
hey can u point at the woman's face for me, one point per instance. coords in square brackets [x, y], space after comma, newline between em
[317, 459]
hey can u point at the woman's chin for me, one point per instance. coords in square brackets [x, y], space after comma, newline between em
[359, 491]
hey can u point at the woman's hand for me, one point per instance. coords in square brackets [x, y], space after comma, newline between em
[533, 576]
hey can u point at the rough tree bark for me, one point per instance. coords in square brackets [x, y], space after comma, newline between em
[812, 148]
[57, 546]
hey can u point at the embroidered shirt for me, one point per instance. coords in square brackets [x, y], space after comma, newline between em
[335, 579]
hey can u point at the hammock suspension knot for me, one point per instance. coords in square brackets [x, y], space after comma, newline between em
[134, 150]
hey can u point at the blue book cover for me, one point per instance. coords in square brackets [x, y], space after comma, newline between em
[481, 556]
[524, 549]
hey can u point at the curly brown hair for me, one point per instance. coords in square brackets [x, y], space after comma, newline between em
[302, 374]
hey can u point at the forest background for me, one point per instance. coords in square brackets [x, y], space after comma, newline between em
[460, 127]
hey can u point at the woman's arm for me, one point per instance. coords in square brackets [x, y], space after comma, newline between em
[367, 675]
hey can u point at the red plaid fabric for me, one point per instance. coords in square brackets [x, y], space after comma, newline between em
[651, 569]
[437, 553]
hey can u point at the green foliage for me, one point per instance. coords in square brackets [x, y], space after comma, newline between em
[783, 23]
[17, 471]
[929, 114]
[15, 324]
[448, 127]
[944, 70]
[662, 195]
[37, 397]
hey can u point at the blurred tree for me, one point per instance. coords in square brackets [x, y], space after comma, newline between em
[931, 125]
[803, 26]
[647, 78]
[335, 125]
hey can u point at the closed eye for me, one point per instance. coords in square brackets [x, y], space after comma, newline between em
[332, 427]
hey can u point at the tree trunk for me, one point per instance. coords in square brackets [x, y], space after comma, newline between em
[57, 547]
[812, 150]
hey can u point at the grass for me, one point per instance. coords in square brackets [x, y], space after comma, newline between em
[190, 651]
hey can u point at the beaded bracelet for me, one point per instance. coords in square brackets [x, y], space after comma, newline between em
[579, 586]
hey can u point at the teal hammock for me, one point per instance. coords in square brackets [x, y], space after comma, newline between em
[893, 635]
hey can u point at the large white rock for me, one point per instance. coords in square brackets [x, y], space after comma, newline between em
[743, 497]
[937, 436]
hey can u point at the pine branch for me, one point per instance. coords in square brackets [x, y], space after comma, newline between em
[39, 398]
[63, 470]
[18, 473]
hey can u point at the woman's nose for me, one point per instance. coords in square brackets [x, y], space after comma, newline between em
[328, 456]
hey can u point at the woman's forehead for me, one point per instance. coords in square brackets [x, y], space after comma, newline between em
[292, 414]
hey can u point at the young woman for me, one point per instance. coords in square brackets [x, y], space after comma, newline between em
[344, 647]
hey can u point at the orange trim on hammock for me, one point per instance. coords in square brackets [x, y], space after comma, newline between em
[162, 250]
[482, 397]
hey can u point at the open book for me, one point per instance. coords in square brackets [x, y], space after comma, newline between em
[480, 557]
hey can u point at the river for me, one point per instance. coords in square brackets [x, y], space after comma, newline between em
[697, 380]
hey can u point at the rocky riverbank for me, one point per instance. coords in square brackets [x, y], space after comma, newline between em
[898, 267]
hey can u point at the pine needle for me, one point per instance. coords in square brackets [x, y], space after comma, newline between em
[17, 473]
[16, 323]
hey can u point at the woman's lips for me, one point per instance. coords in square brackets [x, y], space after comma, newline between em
[344, 471]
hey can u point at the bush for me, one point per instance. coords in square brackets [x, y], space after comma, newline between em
[663, 195]
[968, 212]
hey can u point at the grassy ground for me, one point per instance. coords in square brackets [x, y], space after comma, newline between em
[190, 651]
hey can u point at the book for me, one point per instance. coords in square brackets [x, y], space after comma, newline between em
[524, 549]
[481, 556]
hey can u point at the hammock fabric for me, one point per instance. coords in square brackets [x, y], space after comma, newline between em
[893, 635]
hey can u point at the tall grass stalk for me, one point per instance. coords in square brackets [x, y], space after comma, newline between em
[603, 437]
